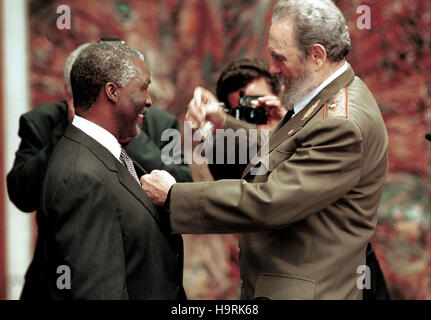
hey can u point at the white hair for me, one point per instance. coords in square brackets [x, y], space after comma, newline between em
[316, 22]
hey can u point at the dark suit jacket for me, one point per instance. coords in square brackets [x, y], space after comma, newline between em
[41, 129]
[97, 220]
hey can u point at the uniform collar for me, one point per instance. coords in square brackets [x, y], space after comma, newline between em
[304, 102]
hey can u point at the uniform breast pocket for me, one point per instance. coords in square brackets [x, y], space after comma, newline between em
[276, 157]
[284, 287]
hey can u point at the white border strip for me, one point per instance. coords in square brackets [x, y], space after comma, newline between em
[19, 226]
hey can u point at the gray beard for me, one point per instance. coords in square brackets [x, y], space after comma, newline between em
[296, 89]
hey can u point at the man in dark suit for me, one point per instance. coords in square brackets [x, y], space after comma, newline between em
[41, 129]
[95, 219]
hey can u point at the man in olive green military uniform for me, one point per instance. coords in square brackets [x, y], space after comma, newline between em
[304, 223]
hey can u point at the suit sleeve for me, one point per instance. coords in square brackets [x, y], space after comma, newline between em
[89, 237]
[320, 171]
[24, 181]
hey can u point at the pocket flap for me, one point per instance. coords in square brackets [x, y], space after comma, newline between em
[284, 287]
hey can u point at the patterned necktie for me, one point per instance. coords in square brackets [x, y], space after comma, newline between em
[129, 165]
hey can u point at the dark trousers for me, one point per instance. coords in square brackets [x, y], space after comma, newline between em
[378, 290]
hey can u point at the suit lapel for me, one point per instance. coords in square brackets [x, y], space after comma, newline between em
[124, 177]
[286, 129]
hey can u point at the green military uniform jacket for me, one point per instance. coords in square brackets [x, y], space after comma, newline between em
[305, 224]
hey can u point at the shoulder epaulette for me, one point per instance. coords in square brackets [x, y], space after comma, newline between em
[338, 105]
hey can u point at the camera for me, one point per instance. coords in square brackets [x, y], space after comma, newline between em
[248, 112]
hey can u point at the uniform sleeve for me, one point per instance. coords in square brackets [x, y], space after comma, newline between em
[321, 170]
[85, 224]
[24, 181]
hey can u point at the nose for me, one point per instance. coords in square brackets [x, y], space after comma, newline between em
[148, 102]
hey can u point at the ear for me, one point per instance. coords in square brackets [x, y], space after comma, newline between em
[112, 91]
[318, 56]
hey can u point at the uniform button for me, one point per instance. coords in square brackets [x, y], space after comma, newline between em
[242, 284]
[238, 250]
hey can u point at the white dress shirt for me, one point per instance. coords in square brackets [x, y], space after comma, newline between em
[104, 137]
[303, 103]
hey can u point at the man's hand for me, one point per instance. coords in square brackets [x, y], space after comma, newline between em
[202, 98]
[157, 185]
[274, 109]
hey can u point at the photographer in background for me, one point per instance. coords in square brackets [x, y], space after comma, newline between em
[211, 261]
[245, 79]
[249, 93]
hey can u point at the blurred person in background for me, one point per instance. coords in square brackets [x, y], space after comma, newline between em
[246, 88]
[243, 86]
